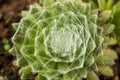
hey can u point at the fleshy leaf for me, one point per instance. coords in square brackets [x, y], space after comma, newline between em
[25, 72]
[92, 76]
[110, 53]
[106, 71]
[105, 15]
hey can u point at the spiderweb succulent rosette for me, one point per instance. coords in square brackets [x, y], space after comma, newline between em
[59, 42]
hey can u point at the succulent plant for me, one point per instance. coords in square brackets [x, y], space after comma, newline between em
[59, 40]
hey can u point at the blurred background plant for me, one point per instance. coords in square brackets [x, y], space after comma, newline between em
[109, 19]
[110, 14]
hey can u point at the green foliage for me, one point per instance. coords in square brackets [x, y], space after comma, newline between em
[110, 54]
[60, 40]
[108, 29]
[78, 78]
[25, 72]
[6, 44]
[108, 58]
[106, 71]
[101, 4]
[110, 41]
[105, 61]
[92, 76]
[116, 21]
[105, 4]
[104, 16]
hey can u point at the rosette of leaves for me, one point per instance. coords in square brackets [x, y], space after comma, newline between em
[59, 40]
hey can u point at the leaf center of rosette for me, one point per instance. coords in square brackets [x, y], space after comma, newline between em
[62, 43]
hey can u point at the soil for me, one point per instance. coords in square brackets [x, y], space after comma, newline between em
[10, 12]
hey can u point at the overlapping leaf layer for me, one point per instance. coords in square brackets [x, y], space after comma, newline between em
[59, 42]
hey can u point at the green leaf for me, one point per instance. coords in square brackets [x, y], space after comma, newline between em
[62, 67]
[15, 25]
[104, 60]
[117, 6]
[79, 1]
[116, 21]
[83, 72]
[18, 40]
[108, 28]
[70, 76]
[105, 15]
[25, 72]
[107, 58]
[102, 4]
[78, 78]
[92, 76]
[110, 40]
[93, 67]
[48, 2]
[93, 3]
[6, 47]
[40, 77]
[89, 61]
[106, 71]
[50, 74]
[21, 62]
[24, 13]
[109, 4]
[110, 54]
[15, 50]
